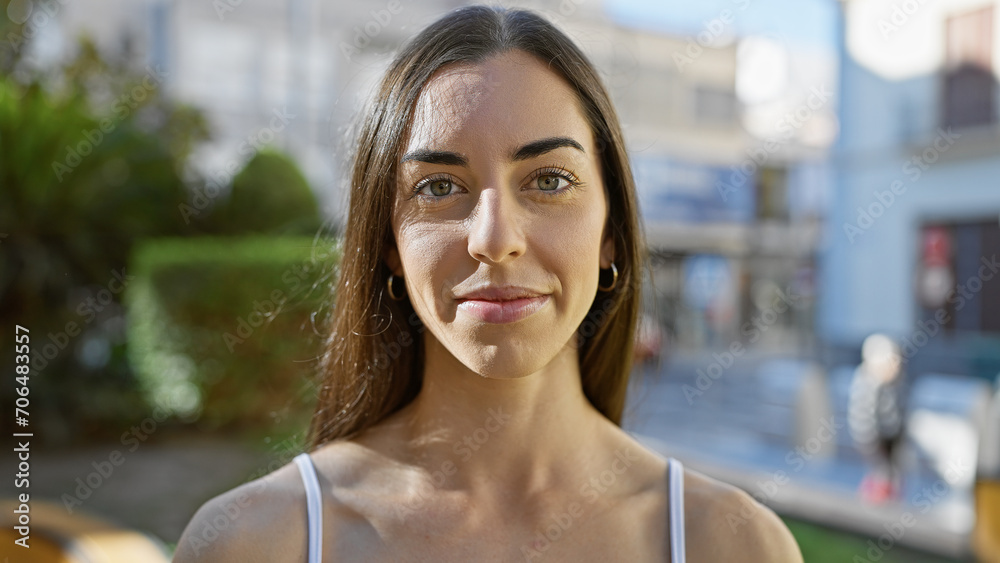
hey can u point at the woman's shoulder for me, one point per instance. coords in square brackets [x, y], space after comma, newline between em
[260, 520]
[725, 523]
[265, 519]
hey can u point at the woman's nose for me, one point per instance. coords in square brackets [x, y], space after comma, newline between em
[495, 229]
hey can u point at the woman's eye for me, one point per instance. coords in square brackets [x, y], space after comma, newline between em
[550, 182]
[440, 187]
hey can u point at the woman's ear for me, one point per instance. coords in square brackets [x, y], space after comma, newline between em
[392, 260]
[607, 251]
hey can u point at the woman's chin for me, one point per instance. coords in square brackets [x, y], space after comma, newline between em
[511, 362]
[494, 363]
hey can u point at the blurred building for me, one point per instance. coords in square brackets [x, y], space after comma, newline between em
[677, 103]
[732, 186]
[728, 183]
[913, 237]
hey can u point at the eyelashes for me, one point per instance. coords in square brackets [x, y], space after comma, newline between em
[559, 172]
[428, 181]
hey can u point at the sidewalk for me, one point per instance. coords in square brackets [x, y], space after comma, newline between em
[808, 496]
[743, 429]
[156, 490]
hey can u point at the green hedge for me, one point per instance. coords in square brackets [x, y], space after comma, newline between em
[223, 330]
[270, 195]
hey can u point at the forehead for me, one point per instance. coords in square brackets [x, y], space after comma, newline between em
[501, 102]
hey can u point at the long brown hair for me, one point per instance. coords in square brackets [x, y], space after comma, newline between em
[373, 360]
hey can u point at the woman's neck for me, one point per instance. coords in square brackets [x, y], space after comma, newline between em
[487, 435]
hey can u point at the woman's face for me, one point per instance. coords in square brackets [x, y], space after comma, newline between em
[499, 186]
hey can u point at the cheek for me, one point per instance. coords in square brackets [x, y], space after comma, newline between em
[430, 254]
[570, 245]
[582, 229]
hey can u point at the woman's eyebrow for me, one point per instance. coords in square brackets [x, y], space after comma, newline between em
[542, 146]
[530, 150]
[436, 157]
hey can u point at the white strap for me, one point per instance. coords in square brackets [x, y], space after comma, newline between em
[676, 511]
[314, 506]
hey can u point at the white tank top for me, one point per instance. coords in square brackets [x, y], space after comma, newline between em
[314, 508]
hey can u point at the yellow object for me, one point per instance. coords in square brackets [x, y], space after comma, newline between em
[56, 536]
[986, 537]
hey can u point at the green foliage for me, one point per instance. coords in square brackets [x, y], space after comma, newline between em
[221, 329]
[270, 195]
[90, 161]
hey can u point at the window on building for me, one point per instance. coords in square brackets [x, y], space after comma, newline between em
[159, 35]
[958, 278]
[772, 193]
[968, 84]
[713, 105]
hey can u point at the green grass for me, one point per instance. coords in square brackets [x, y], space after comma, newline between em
[823, 545]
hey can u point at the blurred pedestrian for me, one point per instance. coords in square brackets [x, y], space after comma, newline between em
[876, 414]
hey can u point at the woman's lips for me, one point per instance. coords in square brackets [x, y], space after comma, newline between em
[502, 312]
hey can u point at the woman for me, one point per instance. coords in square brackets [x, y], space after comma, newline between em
[482, 341]
[876, 415]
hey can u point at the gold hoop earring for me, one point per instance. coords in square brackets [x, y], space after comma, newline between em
[614, 279]
[392, 295]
